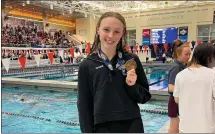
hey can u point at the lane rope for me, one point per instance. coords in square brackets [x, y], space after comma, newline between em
[75, 102]
[41, 118]
[36, 98]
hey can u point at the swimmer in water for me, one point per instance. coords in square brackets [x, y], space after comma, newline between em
[32, 102]
[27, 101]
[22, 99]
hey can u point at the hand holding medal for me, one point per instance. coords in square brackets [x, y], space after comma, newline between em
[130, 66]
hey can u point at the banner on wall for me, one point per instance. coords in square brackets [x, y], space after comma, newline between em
[183, 33]
[146, 37]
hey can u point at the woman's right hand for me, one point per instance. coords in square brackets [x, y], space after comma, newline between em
[131, 77]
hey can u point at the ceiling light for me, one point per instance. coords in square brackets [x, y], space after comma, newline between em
[23, 4]
[63, 13]
[25, 18]
[28, 2]
[51, 6]
[85, 15]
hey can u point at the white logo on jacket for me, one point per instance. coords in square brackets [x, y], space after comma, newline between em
[99, 67]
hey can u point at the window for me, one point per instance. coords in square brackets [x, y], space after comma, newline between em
[204, 38]
[212, 33]
[131, 37]
[206, 32]
[212, 38]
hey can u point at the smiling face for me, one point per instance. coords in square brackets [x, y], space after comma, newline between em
[110, 32]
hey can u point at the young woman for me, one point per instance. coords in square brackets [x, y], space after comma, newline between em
[107, 93]
[181, 55]
[195, 92]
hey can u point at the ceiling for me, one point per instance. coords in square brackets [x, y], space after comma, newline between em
[137, 6]
[38, 7]
[71, 10]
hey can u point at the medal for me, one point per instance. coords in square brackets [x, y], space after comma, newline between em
[130, 64]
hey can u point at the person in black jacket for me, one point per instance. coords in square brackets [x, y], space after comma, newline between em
[108, 94]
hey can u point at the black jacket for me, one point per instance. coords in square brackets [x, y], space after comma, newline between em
[103, 95]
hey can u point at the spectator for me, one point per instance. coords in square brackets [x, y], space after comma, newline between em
[164, 57]
[181, 54]
[194, 91]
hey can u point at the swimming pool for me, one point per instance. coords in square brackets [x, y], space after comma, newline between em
[57, 112]
[157, 76]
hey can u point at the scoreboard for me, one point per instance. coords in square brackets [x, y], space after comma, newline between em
[162, 36]
[157, 36]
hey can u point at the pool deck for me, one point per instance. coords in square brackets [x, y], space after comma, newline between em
[153, 64]
[42, 84]
[165, 128]
[59, 86]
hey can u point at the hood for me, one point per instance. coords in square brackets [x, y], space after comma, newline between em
[95, 57]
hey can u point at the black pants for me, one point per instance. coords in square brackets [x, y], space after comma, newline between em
[147, 59]
[125, 126]
[164, 60]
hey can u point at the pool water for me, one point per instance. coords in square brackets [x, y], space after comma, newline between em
[157, 77]
[57, 106]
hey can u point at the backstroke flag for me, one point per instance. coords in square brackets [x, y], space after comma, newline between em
[6, 63]
[37, 59]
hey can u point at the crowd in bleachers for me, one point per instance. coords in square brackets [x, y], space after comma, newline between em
[35, 37]
[17, 35]
[22, 36]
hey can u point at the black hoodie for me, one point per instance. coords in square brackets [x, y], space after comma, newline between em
[103, 95]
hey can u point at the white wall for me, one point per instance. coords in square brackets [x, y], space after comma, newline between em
[88, 25]
[58, 27]
[189, 16]
[177, 17]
